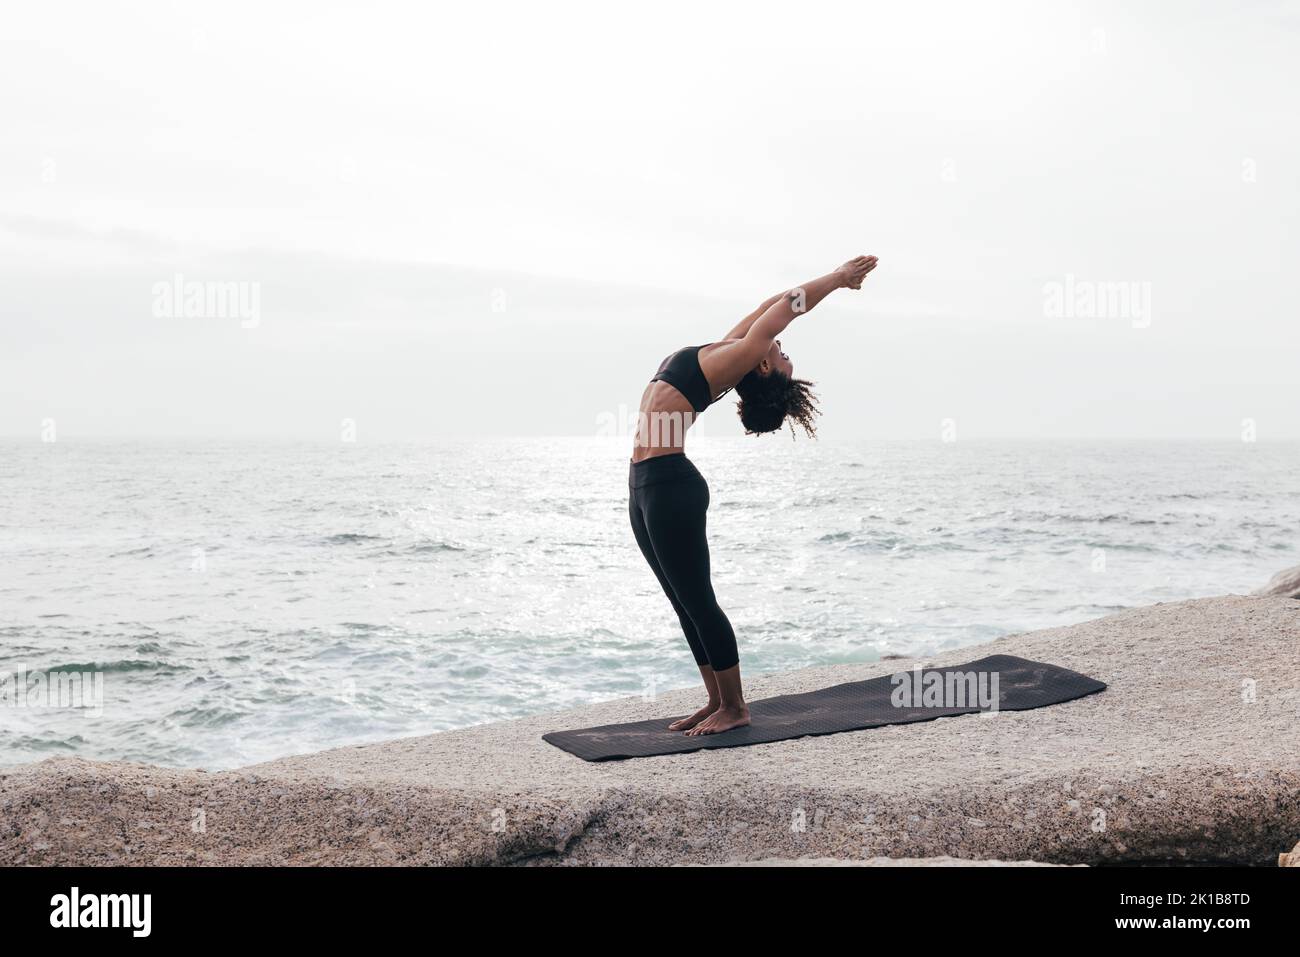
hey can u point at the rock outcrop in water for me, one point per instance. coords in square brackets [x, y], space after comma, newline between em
[1189, 755]
[1285, 584]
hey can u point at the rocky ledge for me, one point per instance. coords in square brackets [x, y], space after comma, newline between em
[1189, 755]
[1285, 584]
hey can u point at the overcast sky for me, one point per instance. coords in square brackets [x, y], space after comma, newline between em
[498, 218]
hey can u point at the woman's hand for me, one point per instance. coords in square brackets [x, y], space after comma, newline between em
[855, 270]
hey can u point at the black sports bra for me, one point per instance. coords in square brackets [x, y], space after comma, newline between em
[682, 371]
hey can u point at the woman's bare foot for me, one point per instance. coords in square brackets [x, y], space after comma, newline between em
[685, 724]
[724, 719]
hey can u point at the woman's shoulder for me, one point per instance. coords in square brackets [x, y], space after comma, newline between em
[711, 347]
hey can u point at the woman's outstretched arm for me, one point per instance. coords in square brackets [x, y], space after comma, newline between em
[731, 360]
[739, 330]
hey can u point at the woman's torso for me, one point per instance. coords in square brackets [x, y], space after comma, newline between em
[672, 400]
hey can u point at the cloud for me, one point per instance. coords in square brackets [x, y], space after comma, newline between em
[518, 213]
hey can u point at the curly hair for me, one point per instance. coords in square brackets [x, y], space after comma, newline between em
[766, 401]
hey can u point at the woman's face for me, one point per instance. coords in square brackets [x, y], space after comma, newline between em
[778, 360]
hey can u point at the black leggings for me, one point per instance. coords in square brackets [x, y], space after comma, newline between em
[668, 499]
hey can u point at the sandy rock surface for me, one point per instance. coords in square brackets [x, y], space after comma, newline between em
[1192, 753]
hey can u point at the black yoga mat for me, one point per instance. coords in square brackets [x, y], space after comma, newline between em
[1021, 685]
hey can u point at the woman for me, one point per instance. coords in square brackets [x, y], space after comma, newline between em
[669, 497]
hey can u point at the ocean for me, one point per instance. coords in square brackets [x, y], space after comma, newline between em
[245, 601]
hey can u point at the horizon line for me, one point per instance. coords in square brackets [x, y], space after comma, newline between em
[19, 438]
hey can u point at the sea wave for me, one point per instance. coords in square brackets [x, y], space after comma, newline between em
[388, 592]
